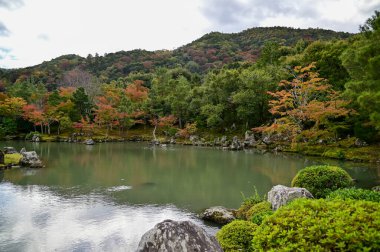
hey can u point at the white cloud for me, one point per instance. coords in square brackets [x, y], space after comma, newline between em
[39, 30]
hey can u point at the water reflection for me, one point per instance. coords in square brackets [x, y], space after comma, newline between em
[34, 219]
[104, 197]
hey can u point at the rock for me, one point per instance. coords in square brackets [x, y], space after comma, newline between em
[218, 214]
[36, 138]
[175, 236]
[249, 139]
[223, 140]
[267, 140]
[376, 189]
[172, 140]
[194, 138]
[30, 159]
[89, 142]
[236, 145]
[281, 195]
[22, 150]
[360, 143]
[10, 150]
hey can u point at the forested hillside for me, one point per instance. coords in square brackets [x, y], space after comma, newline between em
[293, 85]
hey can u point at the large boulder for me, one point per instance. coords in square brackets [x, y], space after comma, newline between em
[218, 214]
[30, 159]
[173, 236]
[281, 195]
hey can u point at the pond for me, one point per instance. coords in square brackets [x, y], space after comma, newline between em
[105, 197]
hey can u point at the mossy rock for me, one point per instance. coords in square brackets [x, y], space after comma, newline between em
[257, 209]
[321, 180]
[13, 159]
[236, 236]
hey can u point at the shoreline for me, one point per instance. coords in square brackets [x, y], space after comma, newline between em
[338, 150]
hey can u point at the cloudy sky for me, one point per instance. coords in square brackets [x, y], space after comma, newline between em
[32, 31]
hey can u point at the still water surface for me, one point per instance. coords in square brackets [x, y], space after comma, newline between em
[105, 197]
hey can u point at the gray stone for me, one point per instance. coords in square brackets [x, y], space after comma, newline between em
[36, 138]
[376, 189]
[9, 150]
[281, 195]
[360, 143]
[194, 138]
[235, 144]
[223, 139]
[218, 214]
[30, 159]
[89, 142]
[173, 236]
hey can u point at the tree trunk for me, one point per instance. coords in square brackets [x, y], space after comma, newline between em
[154, 133]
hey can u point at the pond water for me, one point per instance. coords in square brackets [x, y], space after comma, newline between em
[105, 197]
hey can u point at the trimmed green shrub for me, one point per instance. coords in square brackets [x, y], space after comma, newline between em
[355, 194]
[260, 217]
[258, 208]
[321, 180]
[236, 236]
[321, 225]
[248, 202]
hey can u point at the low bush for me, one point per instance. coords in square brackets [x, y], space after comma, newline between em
[236, 236]
[321, 180]
[257, 209]
[321, 225]
[248, 202]
[355, 194]
[260, 217]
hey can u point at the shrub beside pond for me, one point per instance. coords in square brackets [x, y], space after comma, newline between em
[355, 194]
[236, 236]
[258, 208]
[321, 225]
[322, 179]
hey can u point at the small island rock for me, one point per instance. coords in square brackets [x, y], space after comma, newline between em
[218, 214]
[281, 195]
[30, 159]
[174, 236]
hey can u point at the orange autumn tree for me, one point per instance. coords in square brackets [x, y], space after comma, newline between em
[306, 105]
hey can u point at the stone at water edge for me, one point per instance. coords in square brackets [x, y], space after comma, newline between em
[10, 150]
[173, 236]
[30, 159]
[218, 214]
[89, 142]
[281, 195]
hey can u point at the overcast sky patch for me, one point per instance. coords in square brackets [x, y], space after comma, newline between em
[39, 30]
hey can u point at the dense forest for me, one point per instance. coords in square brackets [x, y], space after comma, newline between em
[300, 85]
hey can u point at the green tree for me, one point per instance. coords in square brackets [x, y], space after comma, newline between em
[362, 61]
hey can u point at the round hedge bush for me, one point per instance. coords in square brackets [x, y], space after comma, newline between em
[257, 209]
[321, 180]
[321, 225]
[260, 217]
[355, 194]
[237, 235]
